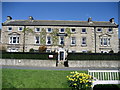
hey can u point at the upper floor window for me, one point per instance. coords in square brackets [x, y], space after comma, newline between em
[14, 40]
[99, 30]
[83, 41]
[62, 30]
[110, 30]
[61, 41]
[83, 30]
[9, 28]
[48, 40]
[37, 40]
[37, 29]
[73, 30]
[20, 28]
[73, 41]
[49, 30]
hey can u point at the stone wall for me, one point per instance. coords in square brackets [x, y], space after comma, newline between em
[25, 62]
[95, 63]
[52, 63]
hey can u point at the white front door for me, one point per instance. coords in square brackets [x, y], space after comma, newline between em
[61, 54]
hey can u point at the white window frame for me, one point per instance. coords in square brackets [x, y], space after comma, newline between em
[100, 29]
[19, 28]
[60, 30]
[48, 40]
[60, 40]
[85, 31]
[84, 41]
[36, 39]
[36, 29]
[103, 39]
[8, 28]
[72, 31]
[73, 40]
[11, 39]
[110, 31]
[48, 30]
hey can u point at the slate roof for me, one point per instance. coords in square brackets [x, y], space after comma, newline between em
[58, 23]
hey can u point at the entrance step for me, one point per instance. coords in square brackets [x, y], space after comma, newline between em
[61, 64]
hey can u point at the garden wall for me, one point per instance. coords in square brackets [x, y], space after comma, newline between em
[71, 63]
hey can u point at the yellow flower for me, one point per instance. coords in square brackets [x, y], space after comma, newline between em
[74, 84]
[80, 81]
[67, 76]
[91, 85]
[86, 85]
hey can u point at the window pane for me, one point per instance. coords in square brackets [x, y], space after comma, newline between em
[61, 40]
[105, 41]
[37, 40]
[17, 39]
[48, 40]
[84, 40]
[14, 39]
[84, 30]
[73, 40]
[49, 29]
[37, 29]
[20, 28]
[62, 30]
[73, 30]
[9, 28]
[10, 40]
[99, 30]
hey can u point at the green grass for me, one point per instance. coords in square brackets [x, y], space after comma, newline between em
[19, 78]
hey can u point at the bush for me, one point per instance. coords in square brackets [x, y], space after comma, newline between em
[93, 56]
[31, 50]
[42, 49]
[79, 81]
[111, 51]
[26, 55]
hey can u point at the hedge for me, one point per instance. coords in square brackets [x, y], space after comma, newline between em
[106, 87]
[71, 56]
[93, 56]
[21, 55]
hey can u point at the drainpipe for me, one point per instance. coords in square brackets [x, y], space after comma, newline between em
[24, 39]
[95, 37]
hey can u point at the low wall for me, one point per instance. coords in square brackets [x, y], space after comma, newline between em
[25, 62]
[95, 63]
[52, 63]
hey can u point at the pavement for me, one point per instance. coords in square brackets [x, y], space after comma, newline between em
[56, 68]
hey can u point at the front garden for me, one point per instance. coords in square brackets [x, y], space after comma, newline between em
[21, 78]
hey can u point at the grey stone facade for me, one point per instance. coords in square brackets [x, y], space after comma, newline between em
[74, 36]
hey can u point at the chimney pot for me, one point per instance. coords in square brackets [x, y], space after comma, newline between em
[89, 19]
[112, 20]
[9, 18]
[31, 18]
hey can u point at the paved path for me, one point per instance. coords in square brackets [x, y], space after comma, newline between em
[56, 68]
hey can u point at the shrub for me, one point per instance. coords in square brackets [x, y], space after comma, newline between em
[79, 81]
[42, 49]
[111, 51]
[31, 50]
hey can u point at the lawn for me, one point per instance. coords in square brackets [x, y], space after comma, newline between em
[20, 78]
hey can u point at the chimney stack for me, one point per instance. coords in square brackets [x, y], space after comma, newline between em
[89, 19]
[31, 18]
[112, 20]
[9, 18]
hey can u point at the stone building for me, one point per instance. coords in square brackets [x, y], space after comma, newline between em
[72, 36]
